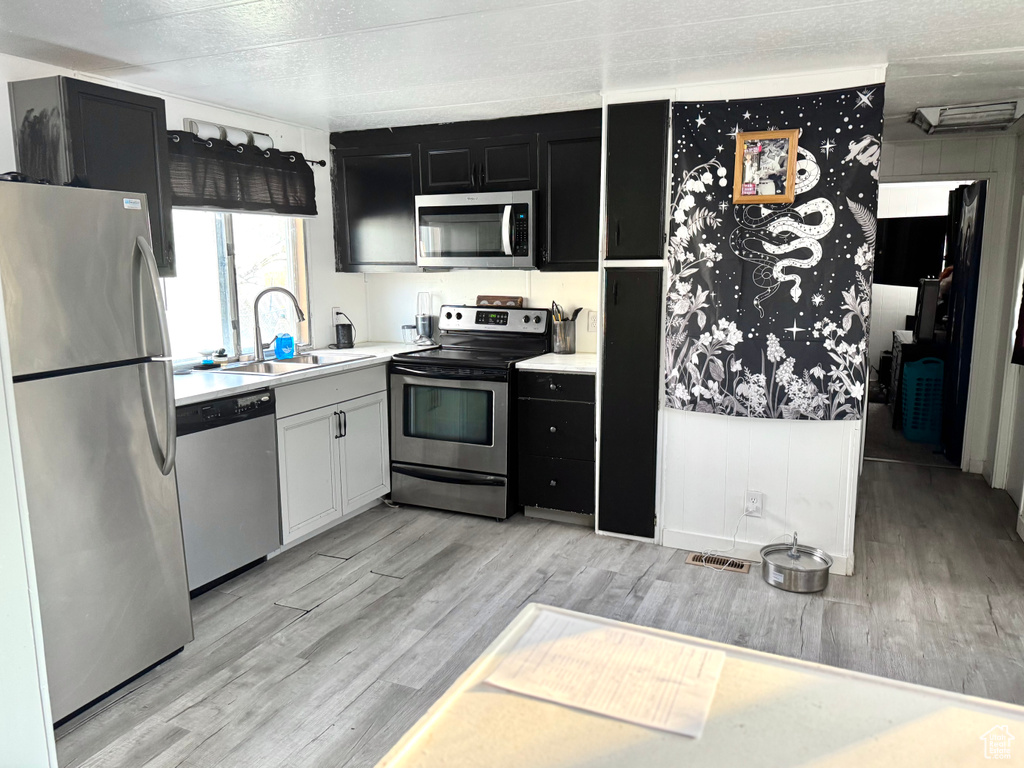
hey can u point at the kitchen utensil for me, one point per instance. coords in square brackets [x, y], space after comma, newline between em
[563, 337]
[795, 567]
[408, 333]
[576, 312]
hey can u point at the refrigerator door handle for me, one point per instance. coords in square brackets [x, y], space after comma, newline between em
[164, 455]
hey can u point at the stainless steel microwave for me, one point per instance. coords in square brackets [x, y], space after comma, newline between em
[480, 230]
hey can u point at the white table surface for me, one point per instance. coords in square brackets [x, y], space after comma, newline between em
[581, 362]
[768, 711]
[199, 386]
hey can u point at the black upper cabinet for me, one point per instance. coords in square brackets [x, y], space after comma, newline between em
[637, 151]
[480, 165]
[378, 173]
[374, 208]
[448, 166]
[570, 172]
[71, 131]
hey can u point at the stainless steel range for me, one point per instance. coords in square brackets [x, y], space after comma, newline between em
[451, 410]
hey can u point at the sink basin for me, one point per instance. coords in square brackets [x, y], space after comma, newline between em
[265, 368]
[297, 363]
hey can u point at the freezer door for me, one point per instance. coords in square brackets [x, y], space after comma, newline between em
[106, 532]
[73, 274]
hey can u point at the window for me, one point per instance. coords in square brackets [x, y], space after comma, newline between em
[223, 261]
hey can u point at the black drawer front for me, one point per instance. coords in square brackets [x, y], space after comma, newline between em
[557, 386]
[563, 484]
[561, 430]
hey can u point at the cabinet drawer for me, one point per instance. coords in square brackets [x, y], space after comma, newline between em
[329, 390]
[557, 386]
[564, 484]
[559, 429]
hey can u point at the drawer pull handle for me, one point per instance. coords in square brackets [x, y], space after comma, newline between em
[554, 483]
[554, 387]
[554, 429]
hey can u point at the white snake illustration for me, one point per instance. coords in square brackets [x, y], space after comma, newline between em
[765, 233]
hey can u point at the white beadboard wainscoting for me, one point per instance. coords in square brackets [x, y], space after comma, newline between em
[391, 296]
[890, 305]
[806, 470]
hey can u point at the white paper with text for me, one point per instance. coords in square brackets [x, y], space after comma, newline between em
[622, 673]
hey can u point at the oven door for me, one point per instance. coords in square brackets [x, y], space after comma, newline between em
[445, 419]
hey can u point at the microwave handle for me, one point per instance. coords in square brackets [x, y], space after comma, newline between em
[506, 230]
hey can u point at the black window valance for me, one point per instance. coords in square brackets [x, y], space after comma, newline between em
[213, 173]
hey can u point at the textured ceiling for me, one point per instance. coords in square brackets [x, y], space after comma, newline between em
[346, 65]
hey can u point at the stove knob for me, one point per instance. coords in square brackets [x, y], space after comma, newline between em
[448, 315]
[536, 319]
[526, 318]
[458, 315]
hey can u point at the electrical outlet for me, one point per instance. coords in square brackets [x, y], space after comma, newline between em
[591, 321]
[753, 506]
[335, 312]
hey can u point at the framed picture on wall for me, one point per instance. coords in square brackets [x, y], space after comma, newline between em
[765, 167]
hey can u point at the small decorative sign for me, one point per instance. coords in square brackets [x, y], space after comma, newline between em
[765, 167]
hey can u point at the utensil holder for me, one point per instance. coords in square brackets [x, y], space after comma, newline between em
[563, 337]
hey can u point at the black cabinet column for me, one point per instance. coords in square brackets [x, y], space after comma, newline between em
[630, 389]
[636, 154]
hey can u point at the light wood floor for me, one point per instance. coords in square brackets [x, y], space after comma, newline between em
[325, 655]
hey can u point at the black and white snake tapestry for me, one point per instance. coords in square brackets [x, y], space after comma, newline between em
[767, 305]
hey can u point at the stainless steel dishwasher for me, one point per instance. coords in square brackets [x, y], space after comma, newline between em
[227, 485]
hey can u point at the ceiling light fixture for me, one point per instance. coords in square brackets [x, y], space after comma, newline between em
[984, 116]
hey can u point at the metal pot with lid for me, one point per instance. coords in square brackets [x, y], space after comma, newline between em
[795, 567]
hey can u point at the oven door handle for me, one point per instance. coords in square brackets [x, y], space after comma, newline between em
[451, 374]
[489, 480]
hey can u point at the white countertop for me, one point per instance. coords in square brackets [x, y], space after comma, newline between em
[581, 362]
[199, 386]
[767, 710]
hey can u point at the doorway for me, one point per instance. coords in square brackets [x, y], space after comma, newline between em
[922, 320]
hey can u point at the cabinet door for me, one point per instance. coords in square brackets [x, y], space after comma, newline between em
[507, 163]
[308, 464]
[374, 209]
[637, 149]
[630, 388]
[570, 175]
[449, 166]
[365, 461]
[118, 141]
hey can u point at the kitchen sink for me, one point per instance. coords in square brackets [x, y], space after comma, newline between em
[332, 358]
[297, 363]
[265, 368]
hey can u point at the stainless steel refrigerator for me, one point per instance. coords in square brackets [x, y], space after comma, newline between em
[94, 396]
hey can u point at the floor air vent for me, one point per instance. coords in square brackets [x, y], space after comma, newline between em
[718, 562]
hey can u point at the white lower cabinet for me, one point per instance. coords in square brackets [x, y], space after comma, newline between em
[332, 460]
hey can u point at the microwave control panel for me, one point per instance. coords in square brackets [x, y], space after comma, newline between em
[520, 229]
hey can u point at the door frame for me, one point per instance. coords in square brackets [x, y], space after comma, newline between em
[973, 407]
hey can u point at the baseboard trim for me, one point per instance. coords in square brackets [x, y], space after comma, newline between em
[842, 565]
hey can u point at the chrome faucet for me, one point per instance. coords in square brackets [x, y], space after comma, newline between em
[258, 351]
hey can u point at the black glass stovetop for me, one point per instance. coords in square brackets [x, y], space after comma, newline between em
[475, 358]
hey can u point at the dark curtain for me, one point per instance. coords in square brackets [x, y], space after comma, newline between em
[967, 210]
[217, 174]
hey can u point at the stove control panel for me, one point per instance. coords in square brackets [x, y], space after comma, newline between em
[497, 319]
